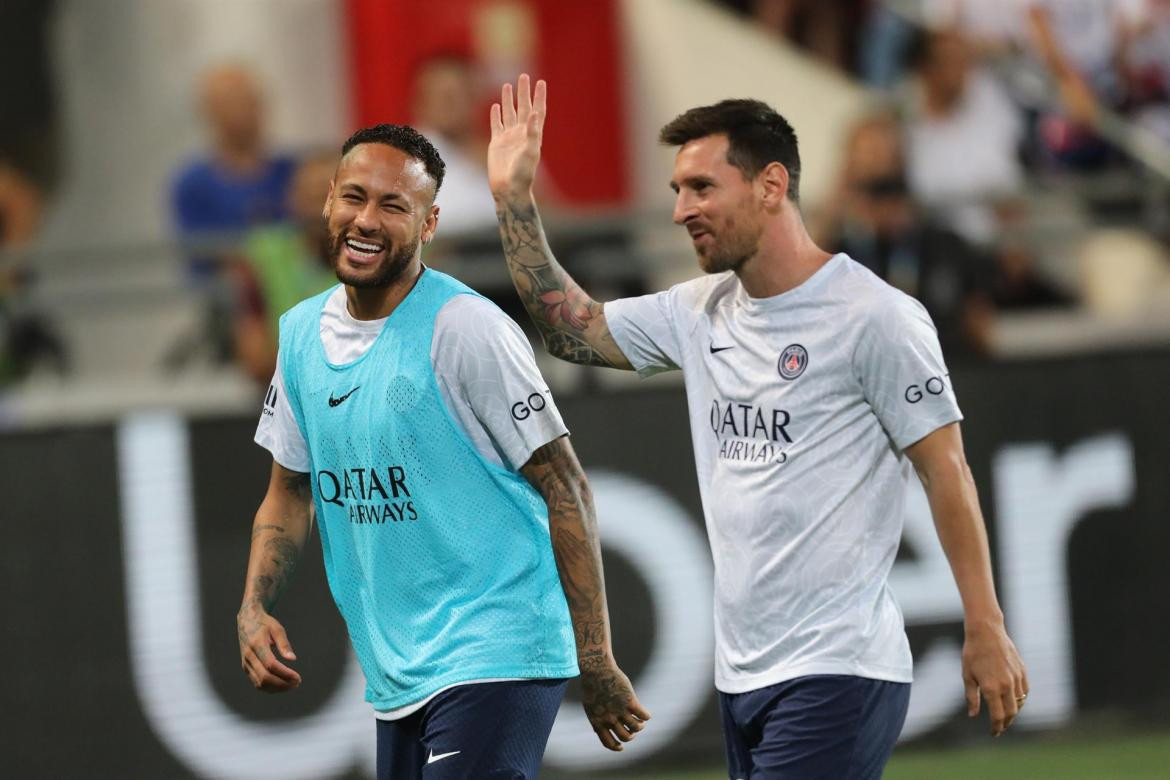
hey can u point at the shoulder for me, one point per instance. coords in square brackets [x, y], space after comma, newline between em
[469, 316]
[194, 173]
[308, 311]
[705, 291]
[870, 301]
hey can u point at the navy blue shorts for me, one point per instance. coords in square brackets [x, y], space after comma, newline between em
[488, 730]
[820, 726]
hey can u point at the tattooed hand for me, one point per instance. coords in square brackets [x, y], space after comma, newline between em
[610, 704]
[260, 634]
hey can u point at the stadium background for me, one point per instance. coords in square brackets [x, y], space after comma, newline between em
[129, 476]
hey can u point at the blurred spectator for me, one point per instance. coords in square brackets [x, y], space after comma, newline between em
[963, 137]
[281, 265]
[1145, 67]
[1079, 42]
[879, 226]
[827, 29]
[447, 112]
[28, 173]
[239, 183]
[990, 26]
[27, 338]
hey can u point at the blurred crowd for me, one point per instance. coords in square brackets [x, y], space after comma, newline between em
[979, 107]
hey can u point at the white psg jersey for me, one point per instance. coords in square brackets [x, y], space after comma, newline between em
[801, 406]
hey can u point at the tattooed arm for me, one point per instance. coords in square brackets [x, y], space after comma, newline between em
[610, 704]
[279, 532]
[571, 323]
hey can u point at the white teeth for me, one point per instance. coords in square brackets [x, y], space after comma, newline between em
[363, 247]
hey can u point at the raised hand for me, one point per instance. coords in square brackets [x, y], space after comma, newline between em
[517, 128]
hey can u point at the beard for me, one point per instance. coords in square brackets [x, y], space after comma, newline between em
[389, 271]
[737, 245]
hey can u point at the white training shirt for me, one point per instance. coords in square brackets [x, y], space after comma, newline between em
[487, 377]
[801, 406]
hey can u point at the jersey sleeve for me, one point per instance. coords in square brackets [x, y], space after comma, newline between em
[487, 372]
[278, 431]
[900, 366]
[644, 329]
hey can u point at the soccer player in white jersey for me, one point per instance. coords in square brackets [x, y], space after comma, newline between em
[813, 388]
[408, 417]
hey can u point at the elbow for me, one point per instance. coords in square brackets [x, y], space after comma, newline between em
[952, 468]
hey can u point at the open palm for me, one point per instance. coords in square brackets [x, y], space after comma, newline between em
[517, 127]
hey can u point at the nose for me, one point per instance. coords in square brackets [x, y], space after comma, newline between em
[684, 209]
[365, 220]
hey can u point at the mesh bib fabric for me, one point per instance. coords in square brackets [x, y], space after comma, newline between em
[439, 560]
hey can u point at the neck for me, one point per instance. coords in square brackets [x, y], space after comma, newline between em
[787, 258]
[239, 159]
[939, 103]
[375, 303]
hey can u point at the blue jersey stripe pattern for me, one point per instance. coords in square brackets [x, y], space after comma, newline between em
[439, 560]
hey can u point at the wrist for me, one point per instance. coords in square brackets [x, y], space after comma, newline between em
[992, 620]
[513, 196]
[595, 660]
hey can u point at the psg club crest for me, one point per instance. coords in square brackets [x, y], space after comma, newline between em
[793, 361]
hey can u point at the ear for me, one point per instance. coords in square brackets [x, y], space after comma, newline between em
[774, 182]
[328, 200]
[430, 225]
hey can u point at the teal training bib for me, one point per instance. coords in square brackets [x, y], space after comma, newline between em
[439, 560]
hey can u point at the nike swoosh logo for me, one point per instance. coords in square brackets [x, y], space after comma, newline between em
[715, 349]
[433, 758]
[338, 401]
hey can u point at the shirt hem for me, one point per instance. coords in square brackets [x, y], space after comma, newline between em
[468, 676]
[783, 674]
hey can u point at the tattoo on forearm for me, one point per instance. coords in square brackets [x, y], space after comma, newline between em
[281, 555]
[260, 529]
[561, 310]
[576, 546]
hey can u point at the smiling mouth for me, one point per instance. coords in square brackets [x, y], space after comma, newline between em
[363, 250]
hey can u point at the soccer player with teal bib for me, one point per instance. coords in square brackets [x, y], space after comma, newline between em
[457, 527]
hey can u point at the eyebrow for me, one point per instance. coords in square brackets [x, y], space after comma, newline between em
[389, 196]
[691, 181]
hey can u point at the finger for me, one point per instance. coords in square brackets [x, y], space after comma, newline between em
[280, 639]
[971, 691]
[622, 731]
[496, 122]
[607, 739]
[523, 97]
[277, 669]
[508, 105]
[1011, 708]
[540, 103]
[637, 710]
[634, 725]
[996, 711]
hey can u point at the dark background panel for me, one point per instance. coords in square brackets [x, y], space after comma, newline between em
[63, 637]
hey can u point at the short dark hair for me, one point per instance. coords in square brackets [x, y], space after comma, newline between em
[405, 139]
[756, 133]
